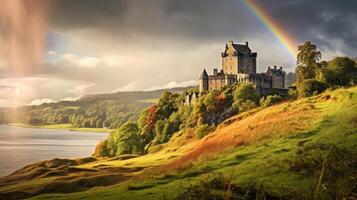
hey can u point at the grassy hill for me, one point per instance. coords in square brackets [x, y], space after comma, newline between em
[300, 149]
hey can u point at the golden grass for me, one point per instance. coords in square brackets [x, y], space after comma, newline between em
[275, 121]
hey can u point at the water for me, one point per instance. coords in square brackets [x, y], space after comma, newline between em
[22, 146]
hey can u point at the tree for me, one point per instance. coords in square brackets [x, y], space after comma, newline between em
[308, 54]
[341, 71]
[307, 59]
[245, 94]
[167, 105]
[126, 140]
[311, 87]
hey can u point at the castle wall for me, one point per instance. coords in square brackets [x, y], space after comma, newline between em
[216, 83]
[230, 64]
[278, 77]
[239, 65]
[203, 85]
[261, 91]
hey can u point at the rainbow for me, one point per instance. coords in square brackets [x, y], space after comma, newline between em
[285, 39]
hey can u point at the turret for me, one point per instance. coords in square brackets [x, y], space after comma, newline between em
[203, 83]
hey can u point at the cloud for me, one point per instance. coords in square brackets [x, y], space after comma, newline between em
[34, 90]
[111, 45]
[174, 84]
[37, 102]
[83, 61]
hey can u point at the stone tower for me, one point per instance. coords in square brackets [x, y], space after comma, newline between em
[203, 81]
[238, 59]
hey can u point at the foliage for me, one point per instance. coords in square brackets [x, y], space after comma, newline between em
[91, 111]
[202, 130]
[308, 54]
[101, 150]
[307, 59]
[125, 140]
[341, 71]
[270, 100]
[167, 105]
[314, 76]
[245, 97]
[311, 87]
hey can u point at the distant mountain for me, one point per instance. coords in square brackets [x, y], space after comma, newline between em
[129, 96]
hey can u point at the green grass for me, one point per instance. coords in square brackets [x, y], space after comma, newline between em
[148, 101]
[280, 165]
[64, 127]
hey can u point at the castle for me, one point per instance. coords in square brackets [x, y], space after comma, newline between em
[239, 65]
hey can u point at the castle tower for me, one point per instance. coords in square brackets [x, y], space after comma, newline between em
[203, 81]
[238, 58]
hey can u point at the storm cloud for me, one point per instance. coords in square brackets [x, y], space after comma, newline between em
[109, 45]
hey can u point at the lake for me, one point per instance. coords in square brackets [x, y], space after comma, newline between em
[22, 146]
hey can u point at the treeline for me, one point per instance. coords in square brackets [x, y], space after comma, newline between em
[91, 111]
[158, 123]
[99, 114]
[314, 76]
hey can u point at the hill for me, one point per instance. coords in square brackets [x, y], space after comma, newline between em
[130, 96]
[298, 149]
[90, 111]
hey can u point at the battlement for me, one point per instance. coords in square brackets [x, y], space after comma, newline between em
[239, 66]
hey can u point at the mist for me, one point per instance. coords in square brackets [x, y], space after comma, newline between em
[23, 27]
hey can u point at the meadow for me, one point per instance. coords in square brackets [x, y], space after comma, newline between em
[303, 149]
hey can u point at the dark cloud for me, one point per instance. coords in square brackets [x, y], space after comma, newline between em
[202, 20]
[141, 44]
[190, 20]
[318, 21]
[88, 14]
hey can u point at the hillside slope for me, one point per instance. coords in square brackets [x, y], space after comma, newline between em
[295, 150]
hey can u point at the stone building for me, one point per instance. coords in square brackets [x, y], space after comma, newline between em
[239, 65]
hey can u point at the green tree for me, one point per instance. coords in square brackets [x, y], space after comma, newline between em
[307, 59]
[311, 87]
[308, 54]
[126, 140]
[245, 94]
[341, 71]
[167, 105]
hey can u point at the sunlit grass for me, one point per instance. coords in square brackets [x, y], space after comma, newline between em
[67, 127]
[257, 149]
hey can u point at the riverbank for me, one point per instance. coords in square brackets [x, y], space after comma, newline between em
[66, 127]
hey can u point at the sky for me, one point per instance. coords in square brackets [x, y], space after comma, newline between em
[52, 50]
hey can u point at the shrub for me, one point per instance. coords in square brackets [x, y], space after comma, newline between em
[311, 87]
[101, 149]
[270, 100]
[202, 130]
[246, 105]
